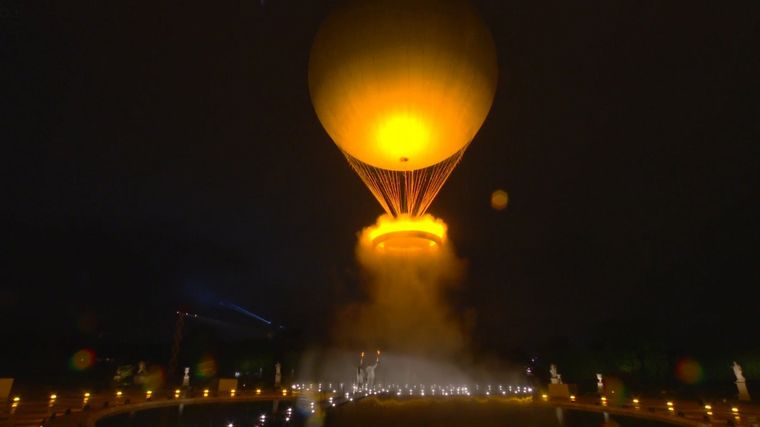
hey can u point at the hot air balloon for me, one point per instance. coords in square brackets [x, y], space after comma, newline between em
[402, 87]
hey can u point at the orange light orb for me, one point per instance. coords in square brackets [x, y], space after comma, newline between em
[403, 84]
[499, 199]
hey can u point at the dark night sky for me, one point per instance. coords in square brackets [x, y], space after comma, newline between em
[160, 154]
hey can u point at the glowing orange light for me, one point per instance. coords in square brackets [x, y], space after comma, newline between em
[258, 391]
[499, 199]
[405, 233]
[402, 137]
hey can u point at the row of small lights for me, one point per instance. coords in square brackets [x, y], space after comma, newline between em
[670, 405]
[233, 392]
[329, 387]
[435, 389]
[148, 395]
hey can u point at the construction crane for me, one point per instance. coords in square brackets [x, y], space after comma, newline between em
[178, 333]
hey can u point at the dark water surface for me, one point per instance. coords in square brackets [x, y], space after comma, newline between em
[240, 414]
[373, 412]
[470, 412]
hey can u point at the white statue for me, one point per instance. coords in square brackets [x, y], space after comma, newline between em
[186, 378]
[741, 383]
[277, 374]
[370, 372]
[556, 377]
[738, 373]
[599, 383]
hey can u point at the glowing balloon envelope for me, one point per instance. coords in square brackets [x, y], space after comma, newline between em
[402, 87]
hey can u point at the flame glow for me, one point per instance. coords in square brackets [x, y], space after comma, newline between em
[403, 136]
[405, 233]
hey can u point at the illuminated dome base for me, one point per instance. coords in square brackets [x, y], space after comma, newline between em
[405, 234]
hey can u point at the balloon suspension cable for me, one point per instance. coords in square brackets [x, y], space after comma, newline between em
[405, 192]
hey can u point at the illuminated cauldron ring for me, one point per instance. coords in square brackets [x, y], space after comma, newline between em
[406, 240]
[405, 234]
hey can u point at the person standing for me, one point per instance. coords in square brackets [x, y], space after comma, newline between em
[370, 370]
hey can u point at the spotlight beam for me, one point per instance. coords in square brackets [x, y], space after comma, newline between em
[241, 310]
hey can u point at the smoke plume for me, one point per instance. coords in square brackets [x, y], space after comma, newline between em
[406, 310]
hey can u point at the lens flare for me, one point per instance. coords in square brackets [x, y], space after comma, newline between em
[689, 371]
[82, 359]
[405, 234]
[499, 200]
[206, 367]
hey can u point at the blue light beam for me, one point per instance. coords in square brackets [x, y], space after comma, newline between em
[241, 310]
